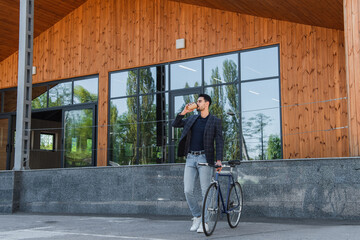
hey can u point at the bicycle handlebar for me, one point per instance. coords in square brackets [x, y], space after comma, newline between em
[232, 163]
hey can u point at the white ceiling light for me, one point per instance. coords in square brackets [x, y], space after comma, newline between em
[256, 93]
[187, 68]
[219, 80]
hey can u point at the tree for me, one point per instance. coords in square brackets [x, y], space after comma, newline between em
[218, 107]
[147, 116]
[254, 128]
[274, 147]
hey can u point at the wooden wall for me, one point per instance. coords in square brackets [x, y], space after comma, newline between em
[352, 36]
[102, 36]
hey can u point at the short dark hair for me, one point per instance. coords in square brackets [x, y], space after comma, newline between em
[206, 97]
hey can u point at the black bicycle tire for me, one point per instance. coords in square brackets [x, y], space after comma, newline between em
[210, 231]
[241, 205]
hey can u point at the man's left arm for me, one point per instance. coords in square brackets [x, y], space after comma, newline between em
[219, 142]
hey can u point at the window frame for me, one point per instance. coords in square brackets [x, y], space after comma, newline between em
[168, 90]
[54, 141]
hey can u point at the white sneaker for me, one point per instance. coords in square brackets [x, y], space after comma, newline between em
[201, 229]
[196, 223]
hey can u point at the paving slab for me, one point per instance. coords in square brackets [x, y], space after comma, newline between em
[89, 227]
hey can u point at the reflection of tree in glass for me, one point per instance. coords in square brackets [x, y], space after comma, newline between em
[147, 118]
[131, 119]
[83, 96]
[230, 124]
[218, 108]
[40, 101]
[60, 95]
[78, 137]
[274, 147]
[254, 128]
[46, 142]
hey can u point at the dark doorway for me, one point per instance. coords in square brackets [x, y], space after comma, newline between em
[46, 130]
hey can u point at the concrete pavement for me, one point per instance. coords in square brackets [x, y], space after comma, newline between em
[31, 226]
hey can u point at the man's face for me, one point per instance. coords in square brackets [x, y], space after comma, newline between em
[202, 104]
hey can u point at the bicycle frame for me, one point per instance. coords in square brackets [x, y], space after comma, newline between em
[230, 182]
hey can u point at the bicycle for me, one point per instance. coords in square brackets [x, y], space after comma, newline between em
[231, 207]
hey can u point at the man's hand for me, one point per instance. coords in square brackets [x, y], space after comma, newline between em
[218, 163]
[186, 109]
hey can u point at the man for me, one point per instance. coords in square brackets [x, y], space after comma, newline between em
[197, 143]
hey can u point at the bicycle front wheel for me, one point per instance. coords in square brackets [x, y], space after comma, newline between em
[234, 205]
[211, 209]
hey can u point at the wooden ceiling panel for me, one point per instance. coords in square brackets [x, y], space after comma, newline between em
[46, 14]
[322, 13]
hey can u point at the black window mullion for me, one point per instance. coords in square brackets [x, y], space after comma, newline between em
[240, 110]
[202, 76]
[138, 117]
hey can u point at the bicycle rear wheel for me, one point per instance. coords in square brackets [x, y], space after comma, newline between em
[234, 205]
[211, 209]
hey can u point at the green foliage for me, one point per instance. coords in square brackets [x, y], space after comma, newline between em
[78, 130]
[40, 101]
[83, 96]
[274, 147]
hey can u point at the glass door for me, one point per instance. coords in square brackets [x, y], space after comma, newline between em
[4, 144]
[178, 100]
[79, 137]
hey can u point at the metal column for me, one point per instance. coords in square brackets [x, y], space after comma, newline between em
[24, 90]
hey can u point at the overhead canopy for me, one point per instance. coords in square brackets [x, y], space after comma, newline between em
[324, 13]
[46, 14]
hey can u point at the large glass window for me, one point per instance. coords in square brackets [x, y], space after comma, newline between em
[138, 123]
[260, 105]
[245, 96]
[74, 91]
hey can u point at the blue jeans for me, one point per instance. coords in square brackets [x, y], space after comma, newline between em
[191, 174]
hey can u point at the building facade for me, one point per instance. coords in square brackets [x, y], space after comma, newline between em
[109, 80]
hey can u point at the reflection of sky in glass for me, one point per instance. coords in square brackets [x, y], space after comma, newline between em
[259, 95]
[90, 85]
[121, 105]
[259, 63]
[185, 72]
[256, 98]
[211, 63]
[118, 84]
